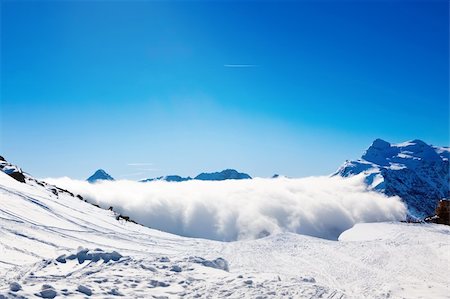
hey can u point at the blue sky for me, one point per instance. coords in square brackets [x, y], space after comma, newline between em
[105, 84]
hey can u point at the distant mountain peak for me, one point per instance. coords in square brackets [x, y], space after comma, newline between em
[227, 174]
[99, 175]
[168, 178]
[413, 170]
[380, 143]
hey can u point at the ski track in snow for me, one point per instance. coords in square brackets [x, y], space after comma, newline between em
[61, 246]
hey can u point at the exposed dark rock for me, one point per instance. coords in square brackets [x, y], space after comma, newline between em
[126, 218]
[442, 213]
[54, 191]
[18, 176]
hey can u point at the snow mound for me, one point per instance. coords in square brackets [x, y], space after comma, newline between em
[218, 263]
[95, 255]
[47, 291]
[85, 290]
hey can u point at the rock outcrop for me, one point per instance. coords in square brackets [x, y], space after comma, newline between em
[442, 213]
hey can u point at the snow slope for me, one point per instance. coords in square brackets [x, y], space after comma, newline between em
[58, 245]
[413, 170]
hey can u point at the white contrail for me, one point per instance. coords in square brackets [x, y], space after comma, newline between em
[240, 65]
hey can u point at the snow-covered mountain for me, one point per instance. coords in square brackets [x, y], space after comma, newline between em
[56, 245]
[413, 170]
[99, 175]
[227, 174]
[168, 178]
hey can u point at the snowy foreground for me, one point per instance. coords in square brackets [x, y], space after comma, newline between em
[61, 246]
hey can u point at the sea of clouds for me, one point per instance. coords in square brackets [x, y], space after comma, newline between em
[243, 209]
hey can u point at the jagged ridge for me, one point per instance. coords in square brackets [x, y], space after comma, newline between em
[413, 170]
[227, 174]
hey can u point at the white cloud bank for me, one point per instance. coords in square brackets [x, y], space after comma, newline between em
[243, 209]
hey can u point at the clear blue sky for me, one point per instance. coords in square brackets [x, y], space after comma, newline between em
[104, 84]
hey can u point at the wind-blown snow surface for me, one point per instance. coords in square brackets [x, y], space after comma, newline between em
[244, 209]
[60, 246]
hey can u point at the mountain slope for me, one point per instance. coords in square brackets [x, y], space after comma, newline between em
[99, 175]
[19, 175]
[413, 170]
